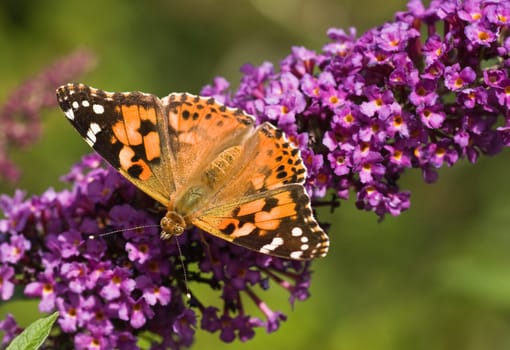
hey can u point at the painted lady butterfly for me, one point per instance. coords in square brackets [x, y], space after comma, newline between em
[206, 163]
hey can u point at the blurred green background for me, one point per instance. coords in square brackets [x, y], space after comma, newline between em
[437, 277]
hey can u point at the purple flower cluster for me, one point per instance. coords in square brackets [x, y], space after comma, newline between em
[20, 115]
[423, 91]
[109, 290]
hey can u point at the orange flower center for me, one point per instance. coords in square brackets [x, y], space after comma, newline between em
[458, 82]
[349, 118]
[47, 289]
[483, 36]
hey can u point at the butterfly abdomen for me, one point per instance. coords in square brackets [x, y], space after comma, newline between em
[221, 167]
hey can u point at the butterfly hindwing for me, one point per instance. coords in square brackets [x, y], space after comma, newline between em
[278, 222]
[124, 128]
[265, 206]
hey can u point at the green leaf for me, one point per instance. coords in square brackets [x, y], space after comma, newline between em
[34, 335]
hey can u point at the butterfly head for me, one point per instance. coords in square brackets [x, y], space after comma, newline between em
[172, 224]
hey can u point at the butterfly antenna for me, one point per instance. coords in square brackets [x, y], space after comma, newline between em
[185, 275]
[121, 230]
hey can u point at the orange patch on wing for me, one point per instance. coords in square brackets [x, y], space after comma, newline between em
[148, 114]
[251, 207]
[146, 171]
[281, 211]
[119, 130]
[132, 122]
[284, 197]
[269, 225]
[151, 145]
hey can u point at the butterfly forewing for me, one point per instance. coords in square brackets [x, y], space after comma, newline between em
[124, 128]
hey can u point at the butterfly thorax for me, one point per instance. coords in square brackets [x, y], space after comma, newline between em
[176, 219]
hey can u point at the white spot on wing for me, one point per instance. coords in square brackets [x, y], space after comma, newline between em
[75, 105]
[304, 247]
[304, 239]
[296, 255]
[85, 103]
[297, 231]
[275, 243]
[94, 128]
[98, 109]
[69, 114]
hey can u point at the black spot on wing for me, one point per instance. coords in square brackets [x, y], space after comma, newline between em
[147, 127]
[270, 203]
[135, 170]
[229, 229]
